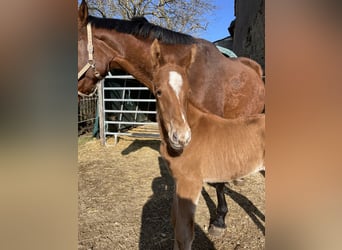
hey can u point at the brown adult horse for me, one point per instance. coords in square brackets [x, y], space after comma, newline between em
[199, 146]
[226, 87]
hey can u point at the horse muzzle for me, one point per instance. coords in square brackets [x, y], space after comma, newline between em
[179, 139]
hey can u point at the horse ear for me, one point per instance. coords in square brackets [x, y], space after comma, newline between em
[155, 54]
[190, 57]
[83, 13]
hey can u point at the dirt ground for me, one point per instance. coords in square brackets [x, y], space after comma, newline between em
[125, 195]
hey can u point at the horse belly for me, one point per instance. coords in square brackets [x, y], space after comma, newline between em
[221, 168]
[224, 173]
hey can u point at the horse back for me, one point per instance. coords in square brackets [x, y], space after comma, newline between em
[227, 87]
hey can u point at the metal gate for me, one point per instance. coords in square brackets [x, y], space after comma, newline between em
[86, 114]
[126, 107]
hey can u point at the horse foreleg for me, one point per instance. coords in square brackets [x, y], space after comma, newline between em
[183, 213]
[218, 226]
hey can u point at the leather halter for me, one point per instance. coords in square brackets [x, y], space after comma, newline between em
[90, 63]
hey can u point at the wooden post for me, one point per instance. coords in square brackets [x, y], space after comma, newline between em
[100, 109]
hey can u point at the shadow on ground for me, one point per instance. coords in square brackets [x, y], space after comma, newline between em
[156, 229]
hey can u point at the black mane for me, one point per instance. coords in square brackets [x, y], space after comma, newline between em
[140, 27]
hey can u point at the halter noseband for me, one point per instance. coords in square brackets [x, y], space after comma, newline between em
[90, 63]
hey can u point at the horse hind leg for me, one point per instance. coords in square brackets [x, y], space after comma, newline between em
[218, 225]
[183, 214]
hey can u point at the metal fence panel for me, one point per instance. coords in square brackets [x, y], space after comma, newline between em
[126, 105]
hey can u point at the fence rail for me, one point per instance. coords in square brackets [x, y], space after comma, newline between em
[125, 106]
[86, 114]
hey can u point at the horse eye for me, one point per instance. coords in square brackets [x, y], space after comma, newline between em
[158, 92]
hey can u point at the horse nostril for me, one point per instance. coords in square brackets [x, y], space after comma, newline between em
[174, 136]
[187, 140]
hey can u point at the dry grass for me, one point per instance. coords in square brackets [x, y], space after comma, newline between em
[125, 195]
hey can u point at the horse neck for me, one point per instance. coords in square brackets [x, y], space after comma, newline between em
[129, 54]
[195, 114]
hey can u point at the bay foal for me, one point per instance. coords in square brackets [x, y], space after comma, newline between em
[198, 146]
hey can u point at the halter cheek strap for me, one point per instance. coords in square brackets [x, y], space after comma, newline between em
[90, 63]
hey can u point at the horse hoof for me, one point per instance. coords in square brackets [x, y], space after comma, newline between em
[239, 182]
[216, 231]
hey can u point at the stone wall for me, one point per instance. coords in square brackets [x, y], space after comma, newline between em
[249, 30]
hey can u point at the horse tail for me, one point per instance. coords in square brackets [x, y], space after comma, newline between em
[251, 63]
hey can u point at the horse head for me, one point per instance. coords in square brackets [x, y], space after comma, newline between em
[93, 60]
[171, 89]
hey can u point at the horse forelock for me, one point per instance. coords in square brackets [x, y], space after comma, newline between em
[140, 27]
